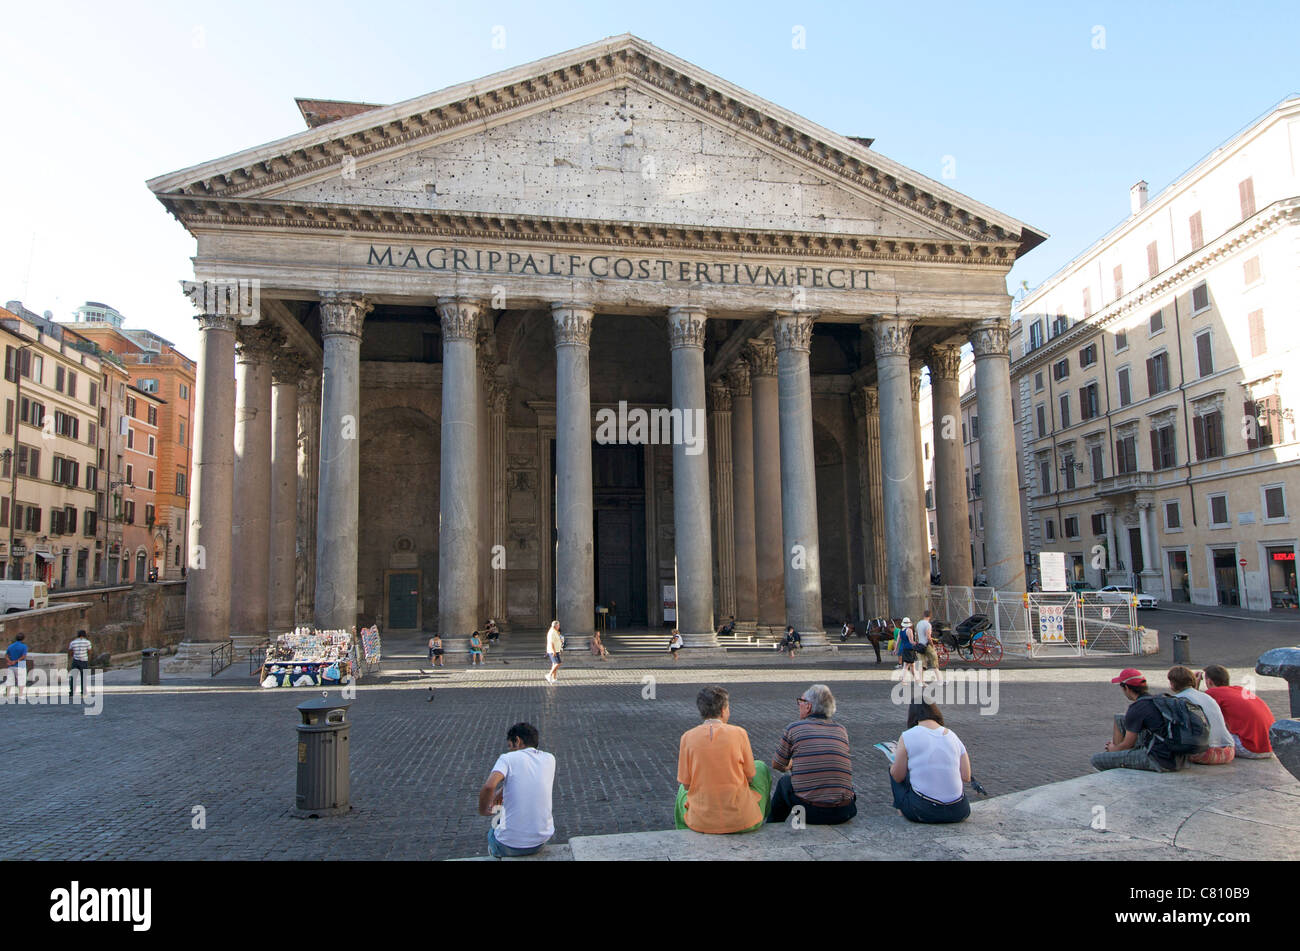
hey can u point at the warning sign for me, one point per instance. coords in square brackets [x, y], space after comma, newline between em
[1051, 624]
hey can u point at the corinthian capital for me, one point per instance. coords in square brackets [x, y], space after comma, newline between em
[738, 378]
[459, 318]
[761, 357]
[720, 397]
[288, 367]
[991, 338]
[793, 330]
[572, 324]
[686, 327]
[892, 337]
[220, 304]
[945, 363]
[258, 343]
[916, 367]
[342, 312]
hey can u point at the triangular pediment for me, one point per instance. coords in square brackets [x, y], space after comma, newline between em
[616, 131]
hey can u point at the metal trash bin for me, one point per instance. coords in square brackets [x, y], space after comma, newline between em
[324, 776]
[149, 658]
[1182, 649]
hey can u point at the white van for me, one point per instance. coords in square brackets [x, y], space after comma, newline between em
[23, 596]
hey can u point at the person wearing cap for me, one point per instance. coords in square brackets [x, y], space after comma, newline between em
[1135, 741]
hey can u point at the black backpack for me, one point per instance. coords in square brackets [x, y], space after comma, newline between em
[1185, 728]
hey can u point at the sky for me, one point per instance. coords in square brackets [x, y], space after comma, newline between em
[1047, 111]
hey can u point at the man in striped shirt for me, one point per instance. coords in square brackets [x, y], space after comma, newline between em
[813, 757]
[80, 651]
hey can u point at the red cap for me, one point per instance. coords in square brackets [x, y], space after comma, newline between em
[1130, 677]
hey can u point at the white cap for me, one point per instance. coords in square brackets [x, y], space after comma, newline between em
[906, 621]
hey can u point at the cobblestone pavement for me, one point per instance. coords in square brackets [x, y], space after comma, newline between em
[125, 784]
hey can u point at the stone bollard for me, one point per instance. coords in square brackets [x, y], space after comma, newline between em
[1284, 662]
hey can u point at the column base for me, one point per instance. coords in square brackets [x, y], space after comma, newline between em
[192, 657]
[706, 639]
[815, 638]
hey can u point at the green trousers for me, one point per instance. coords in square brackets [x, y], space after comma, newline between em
[761, 784]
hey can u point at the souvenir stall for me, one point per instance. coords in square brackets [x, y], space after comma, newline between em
[312, 658]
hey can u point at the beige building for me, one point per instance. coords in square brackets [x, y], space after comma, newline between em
[52, 391]
[1155, 411]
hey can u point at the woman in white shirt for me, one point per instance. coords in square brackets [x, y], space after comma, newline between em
[930, 766]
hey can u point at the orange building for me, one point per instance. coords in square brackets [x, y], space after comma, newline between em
[165, 375]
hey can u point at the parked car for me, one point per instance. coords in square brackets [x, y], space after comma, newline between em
[1123, 594]
[23, 596]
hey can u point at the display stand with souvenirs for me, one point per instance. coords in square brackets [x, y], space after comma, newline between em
[313, 658]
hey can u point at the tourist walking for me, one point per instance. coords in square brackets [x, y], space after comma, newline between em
[80, 651]
[675, 644]
[815, 765]
[722, 788]
[16, 654]
[929, 769]
[554, 645]
[517, 795]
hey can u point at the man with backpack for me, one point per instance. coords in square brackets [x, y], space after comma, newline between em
[1155, 733]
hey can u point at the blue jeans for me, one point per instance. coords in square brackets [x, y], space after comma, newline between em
[917, 808]
[501, 850]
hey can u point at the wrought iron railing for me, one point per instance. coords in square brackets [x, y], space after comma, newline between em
[222, 657]
[257, 657]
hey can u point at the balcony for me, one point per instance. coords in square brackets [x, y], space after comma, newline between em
[1125, 484]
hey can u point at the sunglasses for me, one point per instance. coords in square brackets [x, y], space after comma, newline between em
[802, 700]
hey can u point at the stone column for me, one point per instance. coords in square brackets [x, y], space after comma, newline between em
[720, 444]
[575, 566]
[1147, 534]
[287, 370]
[207, 596]
[694, 546]
[498, 404]
[250, 605]
[341, 319]
[801, 552]
[951, 510]
[875, 488]
[769, 540]
[1002, 536]
[917, 367]
[1112, 548]
[459, 475]
[308, 478]
[907, 571]
[742, 469]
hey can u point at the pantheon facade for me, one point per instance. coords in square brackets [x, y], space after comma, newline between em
[414, 318]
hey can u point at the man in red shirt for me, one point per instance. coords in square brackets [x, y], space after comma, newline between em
[1248, 717]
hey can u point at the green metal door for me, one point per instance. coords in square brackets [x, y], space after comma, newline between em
[403, 601]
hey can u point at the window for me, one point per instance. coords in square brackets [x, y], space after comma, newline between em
[1157, 322]
[6, 465]
[1258, 343]
[1250, 270]
[130, 475]
[1119, 281]
[1065, 410]
[1099, 523]
[72, 391]
[1098, 469]
[1071, 526]
[1195, 231]
[180, 482]
[128, 512]
[1125, 390]
[153, 415]
[4, 512]
[9, 417]
[32, 516]
[974, 428]
[91, 433]
[149, 483]
[92, 478]
[1088, 355]
[1042, 420]
[58, 379]
[1060, 324]
[1173, 517]
[1153, 260]
[1035, 335]
[1038, 382]
[152, 446]
[1126, 455]
[130, 438]
[184, 391]
[148, 386]
[29, 461]
[1207, 433]
[1044, 475]
[1246, 192]
[1163, 454]
[1049, 529]
[1067, 465]
[130, 406]
[964, 437]
[1087, 301]
[1121, 340]
[977, 485]
[31, 412]
[1061, 369]
[929, 498]
[180, 432]
[1089, 402]
[1158, 373]
[1274, 503]
[94, 393]
[1218, 511]
[1200, 297]
[89, 523]
[65, 425]
[1267, 416]
[1204, 353]
[149, 513]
